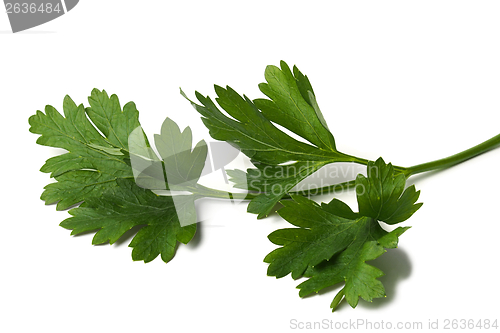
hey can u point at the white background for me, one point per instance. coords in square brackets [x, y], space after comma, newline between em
[411, 81]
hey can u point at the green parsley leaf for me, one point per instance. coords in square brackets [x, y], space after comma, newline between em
[293, 105]
[93, 161]
[251, 126]
[332, 243]
[272, 181]
[125, 206]
[380, 195]
[349, 266]
[113, 173]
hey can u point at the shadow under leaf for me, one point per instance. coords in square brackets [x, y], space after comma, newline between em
[397, 266]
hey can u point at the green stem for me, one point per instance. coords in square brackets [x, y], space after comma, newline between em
[207, 192]
[454, 159]
[363, 161]
[443, 163]
[203, 191]
[327, 189]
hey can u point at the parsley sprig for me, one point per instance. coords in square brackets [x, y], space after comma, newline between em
[110, 169]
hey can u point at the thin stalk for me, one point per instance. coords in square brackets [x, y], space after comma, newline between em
[364, 161]
[207, 192]
[443, 163]
[454, 159]
[326, 189]
[203, 191]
